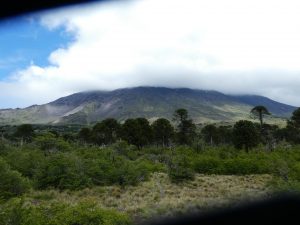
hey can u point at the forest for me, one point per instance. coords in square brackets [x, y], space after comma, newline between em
[42, 167]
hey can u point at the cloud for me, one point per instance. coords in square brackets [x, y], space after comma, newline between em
[233, 46]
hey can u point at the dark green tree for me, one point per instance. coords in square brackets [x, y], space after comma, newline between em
[180, 115]
[295, 119]
[245, 135]
[186, 129]
[293, 128]
[259, 111]
[2, 131]
[225, 135]
[210, 134]
[106, 132]
[25, 132]
[85, 135]
[137, 132]
[163, 131]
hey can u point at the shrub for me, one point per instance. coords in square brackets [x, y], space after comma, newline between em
[129, 173]
[62, 171]
[88, 213]
[241, 164]
[50, 143]
[180, 169]
[11, 182]
[25, 161]
[207, 165]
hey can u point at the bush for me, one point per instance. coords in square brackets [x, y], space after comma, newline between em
[25, 161]
[129, 173]
[62, 171]
[180, 169]
[19, 212]
[208, 165]
[241, 164]
[50, 143]
[11, 182]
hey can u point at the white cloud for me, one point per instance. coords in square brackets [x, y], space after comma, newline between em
[232, 46]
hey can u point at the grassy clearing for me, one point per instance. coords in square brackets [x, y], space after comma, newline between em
[160, 197]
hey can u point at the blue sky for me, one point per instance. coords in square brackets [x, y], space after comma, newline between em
[232, 46]
[24, 40]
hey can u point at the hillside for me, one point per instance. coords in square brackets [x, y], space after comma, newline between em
[149, 102]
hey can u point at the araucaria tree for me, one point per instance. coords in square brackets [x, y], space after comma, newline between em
[137, 132]
[186, 129]
[295, 119]
[245, 135]
[210, 134]
[163, 131]
[25, 132]
[259, 111]
[293, 127]
[106, 132]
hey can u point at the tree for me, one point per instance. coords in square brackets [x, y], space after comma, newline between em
[225, 135]
[163, 131]
[181, 115]
[137, 132]
[245, 135]
[210, 134]
[2, 131]
[85, 135]
[259, 111]
[186, 129]
[25, 132]
[293, 128]
[106, 132]
[295, 119]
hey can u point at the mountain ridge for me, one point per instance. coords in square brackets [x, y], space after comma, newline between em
[150, 102]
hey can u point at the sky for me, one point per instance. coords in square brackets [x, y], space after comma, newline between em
[233, 46]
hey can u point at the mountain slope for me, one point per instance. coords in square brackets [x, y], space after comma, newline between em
[149, 102]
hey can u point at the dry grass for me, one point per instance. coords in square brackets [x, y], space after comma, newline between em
[159, 196]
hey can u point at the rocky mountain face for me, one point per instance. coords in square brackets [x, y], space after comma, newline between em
[149, 102]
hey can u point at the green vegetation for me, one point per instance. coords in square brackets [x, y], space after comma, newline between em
[11, 182]
[17, 211]
[90, 169]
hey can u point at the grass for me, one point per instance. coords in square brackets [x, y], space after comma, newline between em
[160, 197]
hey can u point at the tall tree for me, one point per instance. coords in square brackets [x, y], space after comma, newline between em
[137, 132]
[186, 129]
[210, 134]
[25, 132]
[180, 115]
[259, 111]
[163, 131]
[85, 135]
[293, 128]
[295, 119]
[245, 135]
[106, 132]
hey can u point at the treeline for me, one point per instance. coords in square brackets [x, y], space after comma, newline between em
[164, 133]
